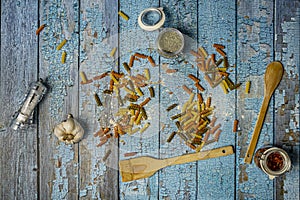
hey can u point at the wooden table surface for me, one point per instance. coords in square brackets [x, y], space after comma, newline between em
[35, 165]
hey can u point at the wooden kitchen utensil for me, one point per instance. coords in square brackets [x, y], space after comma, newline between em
[273, 76]
[145, 166]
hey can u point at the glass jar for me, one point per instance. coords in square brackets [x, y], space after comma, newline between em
[170, 42]
[273, 161]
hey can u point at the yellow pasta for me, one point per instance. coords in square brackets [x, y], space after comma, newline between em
[83, 77]
[113, 51]
[145, 127]
[225, 90]
[248, 85]
[63, 57]
[61, 44]
[113, 78]
[147, 74]
[123, 15]
[139, 91]
[203, 51]
[192, 96]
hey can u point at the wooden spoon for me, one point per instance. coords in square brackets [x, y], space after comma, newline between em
[145, 166]
[273, 76]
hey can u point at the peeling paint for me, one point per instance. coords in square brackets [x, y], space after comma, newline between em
[59, 77]
[60, 186]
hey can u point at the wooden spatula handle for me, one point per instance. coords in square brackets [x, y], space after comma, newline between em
[214, 153]
[257, 129]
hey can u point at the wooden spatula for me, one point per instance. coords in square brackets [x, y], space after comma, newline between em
[145, 166]
[273, 77]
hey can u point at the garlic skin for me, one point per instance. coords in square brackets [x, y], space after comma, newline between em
[69, 131]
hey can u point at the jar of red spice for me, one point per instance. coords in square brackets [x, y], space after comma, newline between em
[273, 161]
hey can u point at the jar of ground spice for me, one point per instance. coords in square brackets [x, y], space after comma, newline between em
[170, 42]
[273, 161]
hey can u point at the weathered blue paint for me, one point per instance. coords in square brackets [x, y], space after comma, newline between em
[254, 52]
[287, 109]
[216, 24]
[61, 19]
[133, 39]
[245, 28]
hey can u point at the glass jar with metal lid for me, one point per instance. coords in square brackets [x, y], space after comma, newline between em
[273, 161]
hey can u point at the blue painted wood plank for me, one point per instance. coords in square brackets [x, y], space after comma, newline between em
[133, 39]
[18, 159]
[216, 24]
[179, 181]
[58, 162]
[254, 53]
[287, 96]
[98, 36]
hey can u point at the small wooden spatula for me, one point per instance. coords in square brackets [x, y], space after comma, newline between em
[145, 166]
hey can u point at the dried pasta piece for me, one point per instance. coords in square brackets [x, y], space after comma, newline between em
[200, 98]
[106, 155]
[217, 135]
[147, 74]
[63, 57]
[101, 76]
[208, 102]
[199, 87]
[151, 90]
[235, 125]
[61, 44]
[194, 53]
[113, 51]
[172, 106]
[146, 126]
[37, 32]
[139, 55]
[172, 135]
[97, 99]
[218, 46]
[203, 51]
[194, 78]
[84, 79]
[225, 90]
[131, 61]
[130, 154]
[139, 91]
[247, 88]
[188, 90]
[170, 71]
[221, 52]
[145, 102]
[150, 59]
[123, 15]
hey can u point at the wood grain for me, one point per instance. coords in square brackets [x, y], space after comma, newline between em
[58, 163]
[34, 165]
[213, 28]
[18, 160]
[181, 15]
[287, 133]
[98, 179]
[254, 53]
[133, 39]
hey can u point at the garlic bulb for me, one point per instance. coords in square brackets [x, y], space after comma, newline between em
[69, 131]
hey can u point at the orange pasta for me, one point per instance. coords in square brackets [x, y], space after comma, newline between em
[218, 46]
[139, 55]
[40, 29]
[150, 59]
[194, 78]
[235, 125]
[131, 61]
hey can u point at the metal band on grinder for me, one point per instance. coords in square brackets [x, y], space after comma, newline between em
[156, 26]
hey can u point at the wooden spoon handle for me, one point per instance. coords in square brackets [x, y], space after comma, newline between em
[257, 129]
[214, 153]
